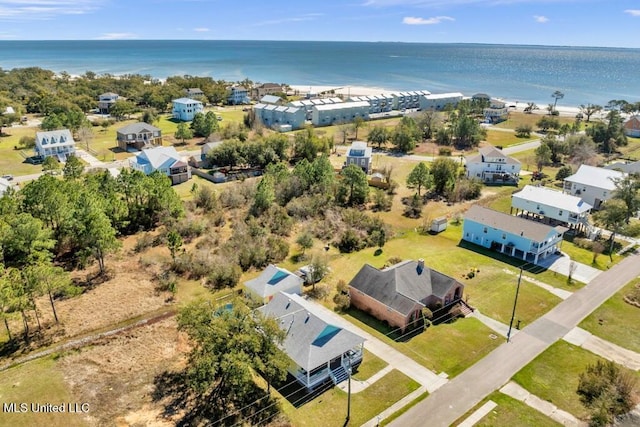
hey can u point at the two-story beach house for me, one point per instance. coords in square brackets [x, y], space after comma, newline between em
[496, 112]
[138, 136]
[238, 95]
[398, 294]
[163, 159]
[55, 143]
[194, 92]
[553, 207]
[185, 108]
[266, 89]
[512, 235]
[593, 185]
[339, 113]
[491, 166]
[359, 154]
[106, 100]
[318, 350]
[632, 127]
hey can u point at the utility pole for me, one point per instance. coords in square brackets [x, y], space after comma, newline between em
[348, 394]
[515, 301]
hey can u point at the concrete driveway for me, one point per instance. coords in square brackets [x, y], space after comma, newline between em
[561, 264]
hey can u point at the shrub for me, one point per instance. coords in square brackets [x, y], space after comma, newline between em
[224, 274]
[350, 241]
[444, 151]
[205, 198]
[393, 260]
[190, 228]
[342, 301]
[193, 266]
[167, 281]
[143, 243]
[564, 172]
[523, 131]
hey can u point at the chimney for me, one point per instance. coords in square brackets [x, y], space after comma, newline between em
[420, 265]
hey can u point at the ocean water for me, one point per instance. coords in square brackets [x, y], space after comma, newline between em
[524, 73]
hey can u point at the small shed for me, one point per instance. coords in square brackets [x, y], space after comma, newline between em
[439, 224]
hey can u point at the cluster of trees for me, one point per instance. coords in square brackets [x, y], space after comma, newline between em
[258, 153]
[35, 90]
[229, 346]
[443, 177]
[77, 218]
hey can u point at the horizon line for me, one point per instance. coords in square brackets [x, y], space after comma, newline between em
[318, 41]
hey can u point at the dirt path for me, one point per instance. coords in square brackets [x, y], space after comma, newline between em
[86, 340]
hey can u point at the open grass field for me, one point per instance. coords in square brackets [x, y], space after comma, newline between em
[11, 161]
[554, 376]
[504, 139]
[447, 347]
[616, 320]
[330, 408]
[509, 412]
[41, 382]
[517, 118]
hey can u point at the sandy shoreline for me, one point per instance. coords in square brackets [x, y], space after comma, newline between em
[347, 91]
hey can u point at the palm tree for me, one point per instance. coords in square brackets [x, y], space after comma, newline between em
[530, 107]
[556, 95]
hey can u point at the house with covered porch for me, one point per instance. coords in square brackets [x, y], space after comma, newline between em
[492, 166]
[552, 207]
[319, 351]
[512, 235]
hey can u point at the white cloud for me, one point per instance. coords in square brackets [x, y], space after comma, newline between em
[412, 20]
[33, 10]
[201, 30]
[117, 36]
[540, 19]
[305, 17]
[633, 12]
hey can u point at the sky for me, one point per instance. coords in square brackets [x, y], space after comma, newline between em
[609, 23]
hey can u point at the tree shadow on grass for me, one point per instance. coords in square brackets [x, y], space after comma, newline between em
[187, 408]
[297, 394]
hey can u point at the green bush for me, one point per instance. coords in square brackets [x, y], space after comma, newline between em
[224, 274]
[444, 151]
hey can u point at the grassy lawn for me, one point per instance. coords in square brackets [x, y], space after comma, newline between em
[504, 139]
[585, 256]
[11, 161]
[616, 321]
[330, 408]
[510, 412]
[517, 119]
[448, 347]
[39, 382]
[370, 366]
[491, 290]
[554, 375]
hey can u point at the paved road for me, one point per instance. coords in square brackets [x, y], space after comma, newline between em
[512, 149]
[459, 395]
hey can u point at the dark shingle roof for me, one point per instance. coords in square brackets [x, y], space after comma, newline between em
[137, 128]
[403, 285]
[532, 230]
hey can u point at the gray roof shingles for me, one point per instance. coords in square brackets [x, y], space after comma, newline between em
[532, 230]
[311, 341]
[402, 286]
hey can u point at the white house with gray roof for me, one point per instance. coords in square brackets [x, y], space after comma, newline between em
[556, 206]
[137, 136]
[339, 113]
[55, 143]
[359, 154]
[185, 108]
[491, 166]
[166, 160]
[512, 235]
[318, 350]
[593, 185]
[271, 281]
